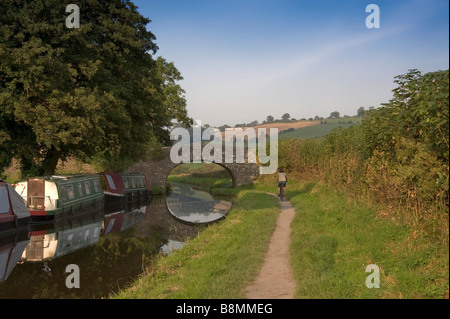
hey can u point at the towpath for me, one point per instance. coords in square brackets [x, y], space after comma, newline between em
[275, 279]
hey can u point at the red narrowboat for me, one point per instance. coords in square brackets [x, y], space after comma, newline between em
[13, 211]
[125, 186]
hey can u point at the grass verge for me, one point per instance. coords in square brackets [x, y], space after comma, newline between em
[334, 238]
[220, 262]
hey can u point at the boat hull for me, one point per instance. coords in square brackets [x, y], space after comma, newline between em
[69, 212]
[125, 187]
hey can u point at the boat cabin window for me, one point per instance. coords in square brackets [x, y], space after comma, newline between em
[87, 187]
[80, 189]
[133, 182]
[125, 183]
[4, 202]
[70, 192]
[96, 186]
[110, 182]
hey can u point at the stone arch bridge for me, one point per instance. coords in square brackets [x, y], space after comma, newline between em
[158, 169]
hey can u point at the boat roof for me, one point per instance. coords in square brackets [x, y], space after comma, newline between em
[124, 174]
[16, 201]
[64, 177]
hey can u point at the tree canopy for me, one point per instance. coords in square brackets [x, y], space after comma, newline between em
[91, 92]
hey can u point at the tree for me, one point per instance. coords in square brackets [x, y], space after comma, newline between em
[91, 92]
[360, 111]
[410, 135]
[335, 115]
[420, 110]
[286, 116]
[270, 119]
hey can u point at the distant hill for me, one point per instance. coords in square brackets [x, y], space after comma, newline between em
[323, 129]
[287, 126]
[302, 128]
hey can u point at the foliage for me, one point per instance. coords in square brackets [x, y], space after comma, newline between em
[95, 90]
[398, 155]
[335, 115]
[411, 133]
[360, 111]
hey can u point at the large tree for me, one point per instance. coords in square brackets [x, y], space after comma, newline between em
[93, 91]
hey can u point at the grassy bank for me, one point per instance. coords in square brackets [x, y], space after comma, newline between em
[334, 237]
[220, 261]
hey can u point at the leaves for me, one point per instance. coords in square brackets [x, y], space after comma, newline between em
[87, 92]
[398, 154]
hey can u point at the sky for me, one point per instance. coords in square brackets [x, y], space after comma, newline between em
[243, 60]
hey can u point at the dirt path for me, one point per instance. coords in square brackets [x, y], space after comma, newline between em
[275, 279]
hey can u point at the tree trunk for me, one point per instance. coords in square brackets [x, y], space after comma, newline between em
[51, 161]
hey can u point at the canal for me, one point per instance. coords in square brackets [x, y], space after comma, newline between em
[111, 247]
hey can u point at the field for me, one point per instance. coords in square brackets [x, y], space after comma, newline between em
[284, 126]
[314, 131]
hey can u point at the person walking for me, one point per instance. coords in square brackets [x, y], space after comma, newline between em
[282, 180]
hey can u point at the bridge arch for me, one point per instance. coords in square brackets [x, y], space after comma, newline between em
[158, 169]
[227, 169]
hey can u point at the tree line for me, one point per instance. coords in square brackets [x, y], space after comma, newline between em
[286, 118]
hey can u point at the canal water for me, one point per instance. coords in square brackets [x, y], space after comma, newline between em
[110, 248]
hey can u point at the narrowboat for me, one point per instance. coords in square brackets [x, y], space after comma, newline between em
[125, 186]
[56, 197]
[13, 212]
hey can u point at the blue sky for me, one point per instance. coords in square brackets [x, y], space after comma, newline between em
[243, 60]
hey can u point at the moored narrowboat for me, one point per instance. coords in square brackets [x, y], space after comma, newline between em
[13, 212]
[55, 197]
[125, 186]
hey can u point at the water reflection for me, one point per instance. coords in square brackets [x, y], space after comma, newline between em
[194, 206]
[120, 218]
[111, 247]
[11, 247]
[63, 238]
